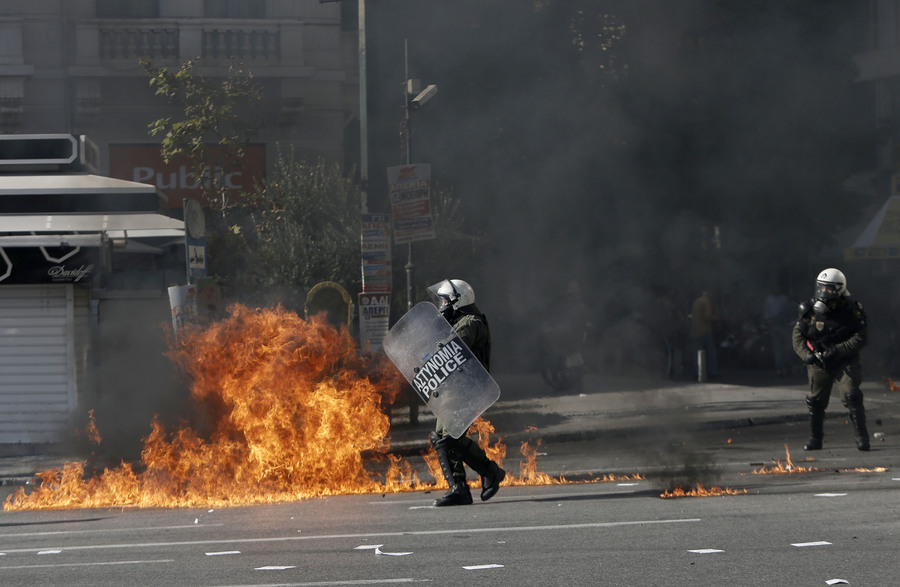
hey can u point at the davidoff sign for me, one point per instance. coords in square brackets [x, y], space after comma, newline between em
[61, 273]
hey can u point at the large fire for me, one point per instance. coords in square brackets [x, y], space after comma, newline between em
[282, 409]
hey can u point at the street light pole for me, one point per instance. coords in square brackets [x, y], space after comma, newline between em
[410, 267]
[363, 113]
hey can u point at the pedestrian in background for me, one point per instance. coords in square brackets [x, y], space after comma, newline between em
[828, 336]
[779, 315]
[704, 320]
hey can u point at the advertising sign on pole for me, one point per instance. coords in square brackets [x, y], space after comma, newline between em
[375, 243]
[409, 187]
[194, 240]
[374, 316]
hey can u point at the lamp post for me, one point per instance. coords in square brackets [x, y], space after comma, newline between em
[363, 113]
[413, 99]
[363, 107]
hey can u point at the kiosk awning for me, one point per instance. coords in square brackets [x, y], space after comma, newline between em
[82, 209]
[881, 237]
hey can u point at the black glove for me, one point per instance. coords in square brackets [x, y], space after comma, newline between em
[827, 354]
[810, 358]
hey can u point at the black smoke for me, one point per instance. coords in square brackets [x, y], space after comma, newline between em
[642, 148]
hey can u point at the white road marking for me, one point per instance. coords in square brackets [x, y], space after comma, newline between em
[105, 530]
[96, 564]
[482, 567]
[381, 552]
[355, 582]
[706, 550]
[223, 553]
[831, 495]
[49, 552]
[510, 529]
[368, 546]
[804, 544]
[275, 568]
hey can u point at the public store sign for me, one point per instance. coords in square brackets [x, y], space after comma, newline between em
[144, 164]
[409, 187]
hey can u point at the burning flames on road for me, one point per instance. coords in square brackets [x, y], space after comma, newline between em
[701, 491]
[788, 468]
[281, 409]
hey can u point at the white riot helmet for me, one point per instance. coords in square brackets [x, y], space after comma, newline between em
[831, 285]
[451, 294]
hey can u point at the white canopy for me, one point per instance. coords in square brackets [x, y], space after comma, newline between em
[67, 209]
[881, 237]
[71, 183]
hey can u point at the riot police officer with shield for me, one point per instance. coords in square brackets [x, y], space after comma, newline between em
[829, 334]
[456, 301]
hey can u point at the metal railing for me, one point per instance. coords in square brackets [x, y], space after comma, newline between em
[161, 40]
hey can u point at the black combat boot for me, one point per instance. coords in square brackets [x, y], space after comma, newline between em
[459, 493]
[490, 481]
[816, 425]
[858, 419]
[474, 456]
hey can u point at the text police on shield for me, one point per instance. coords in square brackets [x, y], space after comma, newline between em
[439, 367]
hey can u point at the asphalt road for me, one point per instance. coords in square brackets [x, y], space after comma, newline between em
[789, 529]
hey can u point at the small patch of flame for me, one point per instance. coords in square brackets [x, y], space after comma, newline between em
[864, 470]
[786, 468]
[91, 431]
[701, 491]
[890, 383]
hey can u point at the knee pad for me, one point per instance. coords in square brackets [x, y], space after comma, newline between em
[814, 403]
[442, 442]
[854, 397]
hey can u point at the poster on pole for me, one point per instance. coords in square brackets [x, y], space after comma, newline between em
[375, 243]
[374, 317]
[409, 187]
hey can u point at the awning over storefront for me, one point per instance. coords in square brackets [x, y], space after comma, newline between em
[83, 210]
[881, 238]
[71, 193]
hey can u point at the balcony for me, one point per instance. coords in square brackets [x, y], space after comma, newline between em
[118, 44]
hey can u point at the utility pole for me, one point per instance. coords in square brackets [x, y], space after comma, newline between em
[410, 267]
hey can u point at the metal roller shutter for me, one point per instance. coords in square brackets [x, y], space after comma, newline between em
[37, 383]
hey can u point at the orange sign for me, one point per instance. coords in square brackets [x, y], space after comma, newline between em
[144, 164]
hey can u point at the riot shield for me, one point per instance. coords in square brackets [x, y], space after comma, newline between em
[440, 367]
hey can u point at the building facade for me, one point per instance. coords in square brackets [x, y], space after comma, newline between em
[72, 67]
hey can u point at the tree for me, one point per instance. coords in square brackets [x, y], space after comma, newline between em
[299, 226]
[216, 122]
[305, 228]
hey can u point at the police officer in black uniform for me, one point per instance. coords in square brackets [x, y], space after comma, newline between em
[828, 336]
[456, 302]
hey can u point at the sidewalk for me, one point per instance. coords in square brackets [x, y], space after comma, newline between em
[609, 406]
[637, 424]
